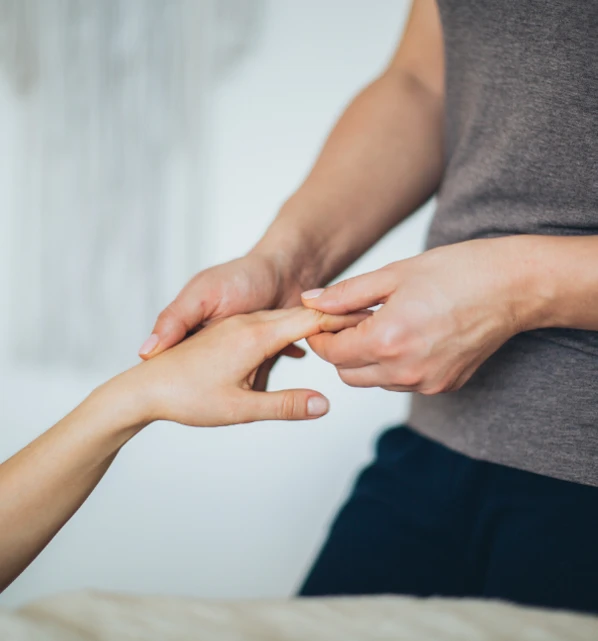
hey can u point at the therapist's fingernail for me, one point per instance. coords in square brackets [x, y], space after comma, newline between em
[150, 345]
[311, 293]
[317, 406]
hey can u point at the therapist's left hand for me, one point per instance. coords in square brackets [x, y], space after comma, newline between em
[443, 314]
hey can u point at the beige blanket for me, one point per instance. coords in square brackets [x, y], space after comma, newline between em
[92, 616]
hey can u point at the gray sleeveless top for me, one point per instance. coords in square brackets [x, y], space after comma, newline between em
[521, 158]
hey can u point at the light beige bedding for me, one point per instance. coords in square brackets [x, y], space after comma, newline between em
[92, 616]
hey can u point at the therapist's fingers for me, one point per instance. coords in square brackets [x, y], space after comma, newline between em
[352, 294]
[342, 349]
[370, 376]
[171, 328]
[351, 347]
[182, 316]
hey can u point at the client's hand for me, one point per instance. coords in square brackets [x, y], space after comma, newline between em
[248, 284]
[207, 379]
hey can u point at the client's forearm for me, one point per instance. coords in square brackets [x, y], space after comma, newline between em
[44, 484]
[205, 381]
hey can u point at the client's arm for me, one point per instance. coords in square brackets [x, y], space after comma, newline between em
[204, 381]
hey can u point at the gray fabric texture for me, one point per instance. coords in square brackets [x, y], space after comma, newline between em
[521, 145]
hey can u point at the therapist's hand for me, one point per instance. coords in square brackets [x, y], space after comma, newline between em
[248, 284]
[443, 314]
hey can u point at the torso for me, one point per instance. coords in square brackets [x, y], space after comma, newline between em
[521, 158]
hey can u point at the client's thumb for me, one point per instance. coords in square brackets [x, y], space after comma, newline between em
[287, 405]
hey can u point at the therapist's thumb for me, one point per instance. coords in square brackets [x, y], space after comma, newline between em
[350, 295]
[171, 327]
[286, 405]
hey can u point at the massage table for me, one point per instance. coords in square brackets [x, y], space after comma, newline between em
[97, 616]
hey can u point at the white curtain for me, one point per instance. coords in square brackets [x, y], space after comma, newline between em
[110, 136]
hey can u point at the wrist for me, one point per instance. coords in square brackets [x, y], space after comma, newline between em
[532, 283]
[294, 252]
[122, 405]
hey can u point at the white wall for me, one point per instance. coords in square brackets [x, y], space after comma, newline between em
[237, 511]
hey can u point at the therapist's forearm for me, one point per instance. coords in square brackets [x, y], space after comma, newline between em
[44, 484]
[562, 276]
[381, 162]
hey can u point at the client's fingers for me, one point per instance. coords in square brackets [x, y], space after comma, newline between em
[285, 326]
[287, 405]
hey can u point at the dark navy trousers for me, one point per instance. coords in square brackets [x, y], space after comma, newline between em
[424, 520]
